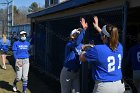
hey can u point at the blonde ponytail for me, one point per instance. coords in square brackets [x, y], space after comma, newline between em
[4, 38]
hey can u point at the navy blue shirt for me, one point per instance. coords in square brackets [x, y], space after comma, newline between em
[106, 64]
[20, 49]
[134, 57]
[71, 52]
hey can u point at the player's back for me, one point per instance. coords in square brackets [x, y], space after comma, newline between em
[108, 63]
[134, 56]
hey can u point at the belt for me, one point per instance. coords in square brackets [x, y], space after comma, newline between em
[106, 81]
[22, 58]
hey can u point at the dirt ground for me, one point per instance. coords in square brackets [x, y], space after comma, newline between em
[35, 85]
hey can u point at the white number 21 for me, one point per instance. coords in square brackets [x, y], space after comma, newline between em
[111, 63]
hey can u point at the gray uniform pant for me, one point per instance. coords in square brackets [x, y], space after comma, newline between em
[69, 80]
[136, 79]
[109, 87]
[22, 69]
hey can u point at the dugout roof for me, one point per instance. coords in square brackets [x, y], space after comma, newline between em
[62, 6]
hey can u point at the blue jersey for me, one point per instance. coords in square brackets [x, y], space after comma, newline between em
[20, 49]
[106, 64]
[4, 45]
[133, 57]
[72, 52]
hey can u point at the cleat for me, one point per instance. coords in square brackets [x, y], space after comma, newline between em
[14, 88]
[4, 67]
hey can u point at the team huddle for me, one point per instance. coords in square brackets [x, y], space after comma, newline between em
[106, 60]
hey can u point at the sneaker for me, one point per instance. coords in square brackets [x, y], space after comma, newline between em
[14, 88]
[4, 67]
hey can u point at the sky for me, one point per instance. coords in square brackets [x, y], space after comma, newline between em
[26, 3]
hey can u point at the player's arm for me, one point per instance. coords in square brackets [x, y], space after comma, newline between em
[87, 46]
[82, 31]
[82, 57]
[96, 25]
[84, 23]
[89, 55]
[14, 48]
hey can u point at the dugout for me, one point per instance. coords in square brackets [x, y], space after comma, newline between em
[53, 25]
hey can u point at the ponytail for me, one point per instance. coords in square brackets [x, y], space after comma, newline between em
[4, 38]
[114, 38]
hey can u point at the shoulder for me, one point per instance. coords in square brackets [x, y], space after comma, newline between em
[27, 42]
[1, 39]
[135, 47]
[92, 50]
[80, 45]
[16, 42]
[7, 40]
[120, 45]
[101, 46]
[69, 43]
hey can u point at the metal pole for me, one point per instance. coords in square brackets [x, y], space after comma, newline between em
[7, 18]
[2, 26]
[125, 25]
[12, 13]
[10, 17]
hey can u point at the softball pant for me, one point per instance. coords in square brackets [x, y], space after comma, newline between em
[22, 69]
[69, 81]
[109, 87]
[136, 79]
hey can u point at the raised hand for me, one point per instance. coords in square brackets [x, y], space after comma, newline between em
[95, 24]
[84, 23]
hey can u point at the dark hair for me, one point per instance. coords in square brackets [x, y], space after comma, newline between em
[114, 36]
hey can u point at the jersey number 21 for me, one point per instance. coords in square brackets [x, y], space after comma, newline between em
[111, 63]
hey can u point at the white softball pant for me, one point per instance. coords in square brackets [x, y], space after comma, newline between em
[109, 87]
[22, 69]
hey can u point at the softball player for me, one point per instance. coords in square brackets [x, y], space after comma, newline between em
[69, 77]
[133, 59]
[20, 49]
[4, 47]
[106, 61]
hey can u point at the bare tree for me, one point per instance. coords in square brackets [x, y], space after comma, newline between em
[3, 18]
[20, 15]
[34, 7]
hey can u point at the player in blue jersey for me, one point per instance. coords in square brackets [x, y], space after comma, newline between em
[4, 47]
[20, 50]
[106, 60]
[69, 77]
[133, 59]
